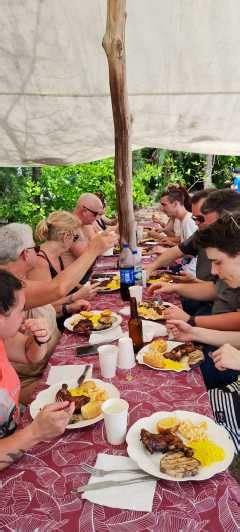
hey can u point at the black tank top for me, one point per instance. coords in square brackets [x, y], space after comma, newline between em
[60, 319]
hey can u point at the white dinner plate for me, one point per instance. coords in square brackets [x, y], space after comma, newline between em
[45, 397]
[151, 462]
[170, 345]
[69, 326]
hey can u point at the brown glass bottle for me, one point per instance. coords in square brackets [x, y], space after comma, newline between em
[135, 326]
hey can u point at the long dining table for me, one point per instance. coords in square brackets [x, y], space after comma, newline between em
[36, 491]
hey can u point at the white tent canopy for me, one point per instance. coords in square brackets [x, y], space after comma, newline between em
[183, 73]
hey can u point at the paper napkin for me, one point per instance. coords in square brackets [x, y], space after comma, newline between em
[66, 372]
[137, 497]
[106, 336]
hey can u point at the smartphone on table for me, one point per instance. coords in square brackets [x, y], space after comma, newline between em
[86, 350]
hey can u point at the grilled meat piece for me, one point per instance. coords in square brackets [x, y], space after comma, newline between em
[104, 283]
[64, 395]
[164, 441]
[178, 352]
[179, 465]
[83, 326]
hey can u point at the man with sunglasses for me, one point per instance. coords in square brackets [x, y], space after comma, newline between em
[225, 300]
[88, 208]
[187, 247]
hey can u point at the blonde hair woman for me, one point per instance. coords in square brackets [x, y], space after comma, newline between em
[58, 232]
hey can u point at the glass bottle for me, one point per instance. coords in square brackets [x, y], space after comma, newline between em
[135, 326]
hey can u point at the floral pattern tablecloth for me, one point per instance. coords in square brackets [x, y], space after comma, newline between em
[36, 493]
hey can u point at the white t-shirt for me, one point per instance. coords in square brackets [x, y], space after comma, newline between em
[177, 227]
[187, 228]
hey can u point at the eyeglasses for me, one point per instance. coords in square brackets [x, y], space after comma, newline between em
[200, 218]
[95, 213]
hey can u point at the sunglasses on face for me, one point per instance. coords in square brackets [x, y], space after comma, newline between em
[95, 213]
[200, 218]
[36, 248]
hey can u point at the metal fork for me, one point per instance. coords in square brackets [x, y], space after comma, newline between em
[82, 377]
[96, 472]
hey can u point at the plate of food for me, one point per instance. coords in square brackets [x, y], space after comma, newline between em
[153, 311]
[109, 283]
[149, 242]
[89, 321]
[170, 356]
[88, 397]
[180, 446]
[163, 277]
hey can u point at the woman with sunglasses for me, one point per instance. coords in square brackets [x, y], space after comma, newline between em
[57, 233]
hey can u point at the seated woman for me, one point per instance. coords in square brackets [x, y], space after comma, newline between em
[58, 232]
[53, 419]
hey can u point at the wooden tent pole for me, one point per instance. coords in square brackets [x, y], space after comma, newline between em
[114, 46]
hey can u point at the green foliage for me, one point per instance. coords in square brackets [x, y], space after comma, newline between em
[25, 197]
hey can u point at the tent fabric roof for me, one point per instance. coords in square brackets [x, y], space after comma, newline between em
[183, 75]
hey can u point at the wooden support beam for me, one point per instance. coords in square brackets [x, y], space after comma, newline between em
[114, 46]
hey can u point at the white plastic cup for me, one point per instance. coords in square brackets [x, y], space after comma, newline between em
[115, 413]
[137, 292]
[108, 355]
[126, 357]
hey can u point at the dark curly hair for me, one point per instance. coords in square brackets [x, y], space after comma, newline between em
[224, 234]
[219, 200]
[9, 284]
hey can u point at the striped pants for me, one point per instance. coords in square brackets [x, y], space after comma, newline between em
[225, 404]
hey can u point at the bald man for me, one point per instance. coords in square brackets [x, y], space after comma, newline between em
[88, 208]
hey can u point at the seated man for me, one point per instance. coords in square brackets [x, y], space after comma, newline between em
[53, 419]
[88, 209]
[172, 203]
[222, 243]
[226, 300]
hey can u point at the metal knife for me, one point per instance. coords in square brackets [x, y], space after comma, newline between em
[112, 483]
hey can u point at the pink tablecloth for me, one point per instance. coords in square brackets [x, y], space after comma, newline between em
[35, 493]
